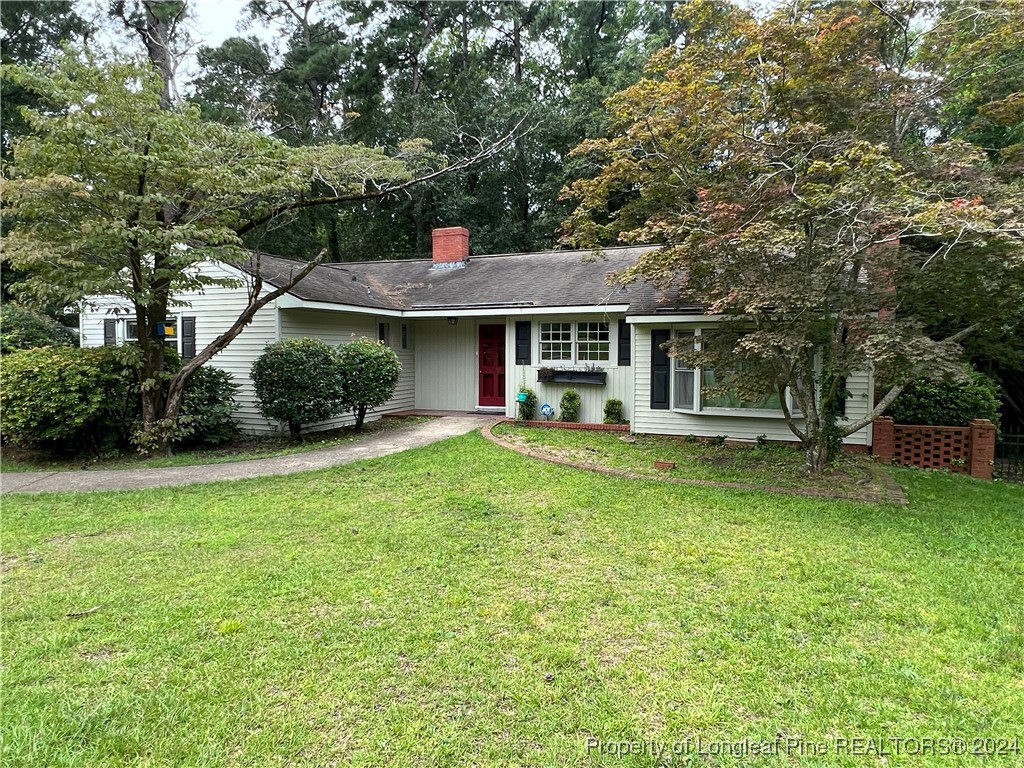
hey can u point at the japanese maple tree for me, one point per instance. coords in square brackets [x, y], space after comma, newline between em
[792, 169]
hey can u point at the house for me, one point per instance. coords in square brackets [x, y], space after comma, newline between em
[470, 331]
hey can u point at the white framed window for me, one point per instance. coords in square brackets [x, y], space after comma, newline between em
[406, 336]
[585, 342]
[692, 387]
[684, 377]
[384, 333]
[593, 342]
[730, 399]
[131, 331]
[555, 342]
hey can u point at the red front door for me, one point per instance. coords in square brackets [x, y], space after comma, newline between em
[492, 365]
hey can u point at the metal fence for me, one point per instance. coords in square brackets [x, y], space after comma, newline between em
[1009, 462]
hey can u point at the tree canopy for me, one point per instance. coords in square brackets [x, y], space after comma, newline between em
[451, 73]
[112, 193]
[795, 171]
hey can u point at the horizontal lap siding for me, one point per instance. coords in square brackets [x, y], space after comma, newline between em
[336, 328]
[215, 309]
[668, 422]
[861, 385]
[592, 396]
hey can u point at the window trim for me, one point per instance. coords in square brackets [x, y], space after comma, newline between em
[541, 342]
[574, 359]
[172, 319]
[698, 396]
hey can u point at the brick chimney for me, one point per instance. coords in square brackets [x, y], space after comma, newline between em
[450, 247]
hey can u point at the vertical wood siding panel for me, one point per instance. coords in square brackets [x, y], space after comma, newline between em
[592, 396]
[446, 363]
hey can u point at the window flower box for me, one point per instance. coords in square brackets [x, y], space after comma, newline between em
[571, 376]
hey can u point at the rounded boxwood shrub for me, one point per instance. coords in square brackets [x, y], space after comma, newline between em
[613, 411]
[22, 328]
[298, 381]
[947, 402]
[209, 403]
[569, 406]
[370, 371]
[68, 399]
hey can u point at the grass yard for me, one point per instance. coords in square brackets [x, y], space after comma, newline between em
[462, 605]
[250, 447]
[770, 464]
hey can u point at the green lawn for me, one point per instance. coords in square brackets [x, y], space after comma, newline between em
[25, 460]
[772, 464]
[464, 605]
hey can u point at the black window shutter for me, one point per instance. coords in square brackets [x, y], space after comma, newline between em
[625, 347]
[188, 338]
[109, 333]
[523, 342]
[660, 370]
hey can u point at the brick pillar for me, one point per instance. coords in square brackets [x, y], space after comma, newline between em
[883, 439]
[982, 450]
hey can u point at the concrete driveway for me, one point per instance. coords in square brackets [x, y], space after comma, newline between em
[372, 446]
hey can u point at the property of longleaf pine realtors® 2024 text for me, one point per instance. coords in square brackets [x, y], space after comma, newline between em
[858, 746]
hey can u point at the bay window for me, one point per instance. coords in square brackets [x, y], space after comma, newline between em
[706, 389]
[710, 379]
[683, 377]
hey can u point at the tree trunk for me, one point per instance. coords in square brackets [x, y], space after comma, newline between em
[160, 24]
[816, 455]
[819, 451]
[360, 417]
[176, 389]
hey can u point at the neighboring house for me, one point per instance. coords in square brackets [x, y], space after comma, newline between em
[470, 331]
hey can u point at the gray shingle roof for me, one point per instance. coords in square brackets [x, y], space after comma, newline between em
[522, 280]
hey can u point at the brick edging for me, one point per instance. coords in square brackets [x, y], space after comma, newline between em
[893, 492]
[589, 426]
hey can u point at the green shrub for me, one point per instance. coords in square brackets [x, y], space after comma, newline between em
[613, 412]
[528, 407]
[209, 401]
[370, 371]
[297, 381]
[69, 399]
[569, 406]
[947, 403]
[22, 328]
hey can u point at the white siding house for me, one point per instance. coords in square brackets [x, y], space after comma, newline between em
[694, 416]
[469, 332]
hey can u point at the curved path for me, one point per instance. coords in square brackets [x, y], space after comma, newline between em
[369, 447]
[891, 492]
